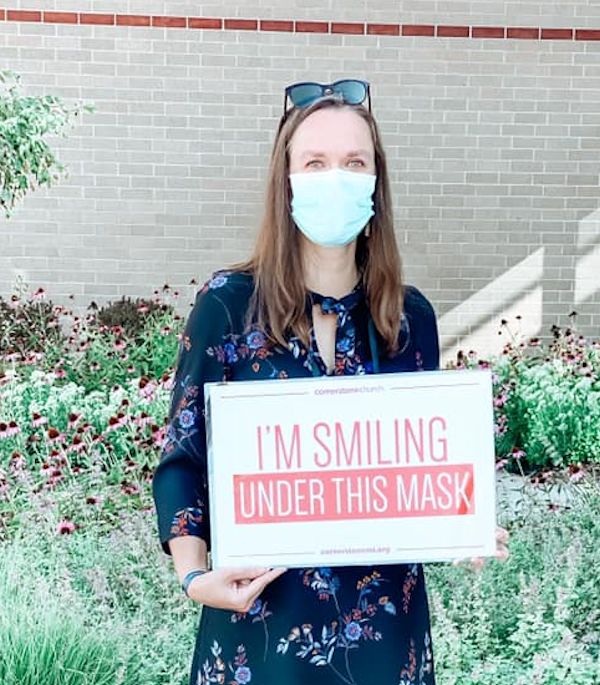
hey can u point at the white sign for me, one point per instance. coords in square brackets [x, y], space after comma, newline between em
[351, 470]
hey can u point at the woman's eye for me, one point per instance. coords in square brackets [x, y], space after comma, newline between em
[314, 163]
[356, 163]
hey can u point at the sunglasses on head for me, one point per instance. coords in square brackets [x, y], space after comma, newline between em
[349, 91]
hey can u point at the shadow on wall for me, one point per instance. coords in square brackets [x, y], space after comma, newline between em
[522, 291]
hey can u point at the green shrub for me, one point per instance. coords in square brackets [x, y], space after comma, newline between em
[546, 401]
[534, 618]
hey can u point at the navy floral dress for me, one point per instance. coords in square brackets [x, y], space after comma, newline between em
[356, 625]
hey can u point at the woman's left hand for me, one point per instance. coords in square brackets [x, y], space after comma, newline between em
[501, 550]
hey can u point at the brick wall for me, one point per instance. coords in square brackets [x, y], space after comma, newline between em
[493, 144]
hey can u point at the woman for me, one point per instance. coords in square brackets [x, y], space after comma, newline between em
[322, 294]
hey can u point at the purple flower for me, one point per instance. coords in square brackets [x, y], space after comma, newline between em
[217, 282]
[255, 608]
[186, 418]
[345, 344]
[255, 340]
[353, 631]
[242, 675]
[230, 352]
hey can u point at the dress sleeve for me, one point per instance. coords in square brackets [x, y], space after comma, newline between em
[180, 481]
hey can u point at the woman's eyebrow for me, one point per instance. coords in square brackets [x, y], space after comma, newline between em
[351, 153]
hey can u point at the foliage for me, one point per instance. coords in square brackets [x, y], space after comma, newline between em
[93, 608]
[130, 315]
[82, 419]
[546, 401]
[534, 618]
[56, 436]
[26, 159]
[28, 325]
[107, 347]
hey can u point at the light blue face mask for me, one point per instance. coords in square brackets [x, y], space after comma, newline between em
[332, 207]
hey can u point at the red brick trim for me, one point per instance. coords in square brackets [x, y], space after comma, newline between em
[383, 29]
[133, 20]
[270, 25]
[61, 18]
[204, 23]
[557, 34]
[418, 30]
[97, 19]
[289, 26]
[453, 31]
[170, 22]
[23, 15]
[587, 34]
[522, 32]
[487, 32]
[312, 26]
[347, 27]
[240, 24]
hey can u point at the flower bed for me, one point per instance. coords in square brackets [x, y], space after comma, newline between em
[83, 412]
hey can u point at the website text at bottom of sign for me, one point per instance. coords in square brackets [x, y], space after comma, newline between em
[447, 490]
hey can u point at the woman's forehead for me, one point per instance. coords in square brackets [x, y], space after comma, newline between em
[332, 129]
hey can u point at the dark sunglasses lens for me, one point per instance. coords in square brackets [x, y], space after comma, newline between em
[305, 93]
[353, 92]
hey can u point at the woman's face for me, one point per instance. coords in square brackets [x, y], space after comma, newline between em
[330, 138]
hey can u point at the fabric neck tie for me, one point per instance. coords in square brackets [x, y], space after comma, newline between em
[331, 305]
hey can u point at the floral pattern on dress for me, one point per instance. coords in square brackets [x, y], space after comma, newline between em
[187, 521]
[258, 613]
[216, 672]
[410, 674]
[346, 627]
[183, 425]
[409, 585]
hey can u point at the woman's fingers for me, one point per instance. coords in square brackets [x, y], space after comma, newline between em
[256, 586]
[248, 573]
[502, 535]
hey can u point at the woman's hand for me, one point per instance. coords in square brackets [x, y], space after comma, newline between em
[501, 550]
[233, 589]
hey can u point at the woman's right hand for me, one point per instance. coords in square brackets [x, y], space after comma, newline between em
[233, 589]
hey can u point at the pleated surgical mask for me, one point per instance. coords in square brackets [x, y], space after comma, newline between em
[332, 207]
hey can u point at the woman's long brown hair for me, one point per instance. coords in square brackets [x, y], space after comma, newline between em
[278, 305]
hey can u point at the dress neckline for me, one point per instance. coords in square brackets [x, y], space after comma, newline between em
[333, 305]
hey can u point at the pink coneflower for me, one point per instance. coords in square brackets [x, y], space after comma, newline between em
[17, 462]
[77, 445]
[53, 435]
[143, 420]
[165, 330]
[158, 436]
[65, 527]
[9, 430]
[129, 488]
[73, 420]
[116, 422]
[143, 308]
[39, 294]
[92, 499]
[119, 345]
[517, 454]
[166, 381]
[147, 388]
[117, 330]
